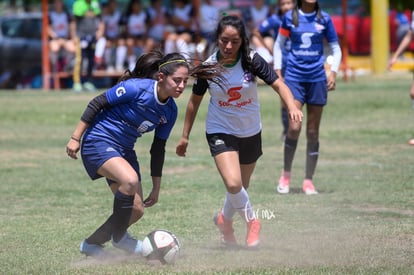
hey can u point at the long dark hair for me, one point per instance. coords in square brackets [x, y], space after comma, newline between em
[279, 10]
[298, 6]
[237, 23]
[153, 62]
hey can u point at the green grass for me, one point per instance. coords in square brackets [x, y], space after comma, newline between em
[361, 223]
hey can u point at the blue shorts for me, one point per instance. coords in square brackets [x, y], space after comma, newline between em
[96, 153]
[314, 93]
[249, 148]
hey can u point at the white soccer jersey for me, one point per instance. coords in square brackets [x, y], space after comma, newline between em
[137, 24]
[209, 17]
[235, 109]
[258, 16]
[59, 21]
[112, 22]
[184, 14]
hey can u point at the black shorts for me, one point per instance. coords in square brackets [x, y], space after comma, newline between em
[249, 148]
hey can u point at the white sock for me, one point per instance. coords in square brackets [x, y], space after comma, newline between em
[183, 48]
[228, 209]
[100, 47]
[241, 203]
[108, 56]
[169, 46]
[121, 53]
[131, 62]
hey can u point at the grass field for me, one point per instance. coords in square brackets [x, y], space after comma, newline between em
[362, 222]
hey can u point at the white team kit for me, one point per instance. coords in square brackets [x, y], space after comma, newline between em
[60, 23]
[235, 109]
[137, 24]
[112, 22]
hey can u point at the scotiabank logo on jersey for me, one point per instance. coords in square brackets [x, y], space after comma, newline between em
[234, 96]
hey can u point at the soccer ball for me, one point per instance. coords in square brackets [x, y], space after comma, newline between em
[161, 245]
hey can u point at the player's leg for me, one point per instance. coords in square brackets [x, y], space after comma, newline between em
[127, 192]
[289, 150]
[317, 98]
[233, 182]
[314, 115]
[250, 149]
[229, 168]
[285, 121]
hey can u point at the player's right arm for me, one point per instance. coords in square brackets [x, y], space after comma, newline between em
[94, 107]
[403, 45]
[277, 54]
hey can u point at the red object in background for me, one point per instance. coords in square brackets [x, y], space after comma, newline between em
[359, 32]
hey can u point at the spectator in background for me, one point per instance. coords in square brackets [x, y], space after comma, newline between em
[208, 17]
[182, 18]
[159, 22]
[137, 21]
[115, 42]
[403, 24]
[89, 28]
[254, 16]
[268, 30]
[61, 44]
[267, 34]
[232, 7]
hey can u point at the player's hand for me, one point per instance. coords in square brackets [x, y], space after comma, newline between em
[72, 148]
[181, 148]
[391, 62]
[296, 114]
[151, 199]
[331, 81]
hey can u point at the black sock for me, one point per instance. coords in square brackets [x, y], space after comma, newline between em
[285, 119]
[102, 234]
[312, 154]
[289, 153]
[122, 213]
[116, 225]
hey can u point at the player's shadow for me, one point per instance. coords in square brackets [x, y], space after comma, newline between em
[299, 191]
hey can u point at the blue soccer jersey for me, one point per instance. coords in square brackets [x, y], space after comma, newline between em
[272, 25]
[134, 110]
[306, 60]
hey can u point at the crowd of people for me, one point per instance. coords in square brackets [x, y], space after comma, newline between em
[110, 35]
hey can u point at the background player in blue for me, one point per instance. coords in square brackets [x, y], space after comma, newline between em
[142, 101]
[306, 26]
[233, 123]
[272, 25]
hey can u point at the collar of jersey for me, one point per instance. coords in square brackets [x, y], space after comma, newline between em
[232, 64]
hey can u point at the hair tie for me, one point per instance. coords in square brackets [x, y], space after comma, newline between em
[171, 61]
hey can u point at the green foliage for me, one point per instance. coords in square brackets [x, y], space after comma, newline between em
[362, 222]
